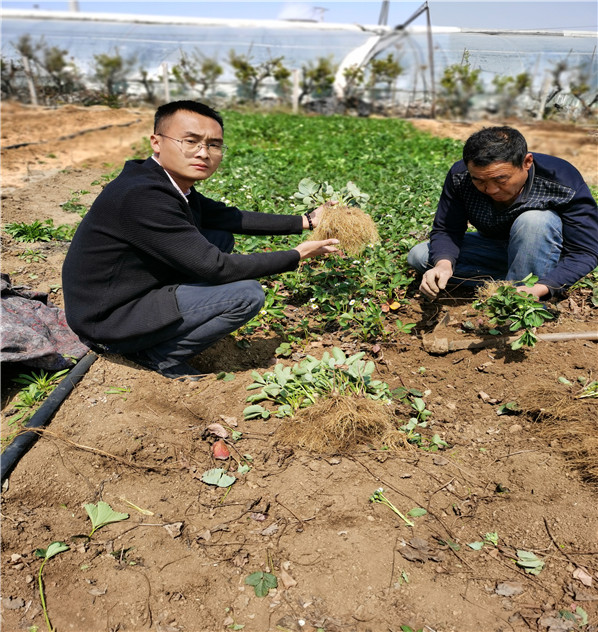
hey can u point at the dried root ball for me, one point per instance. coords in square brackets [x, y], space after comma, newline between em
[354, 228]
[342, 423]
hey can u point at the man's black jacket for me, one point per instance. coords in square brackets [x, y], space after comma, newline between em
[141, 239]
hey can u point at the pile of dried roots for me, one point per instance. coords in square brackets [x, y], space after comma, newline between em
[571, 422]
[341, 424]
[354, 228]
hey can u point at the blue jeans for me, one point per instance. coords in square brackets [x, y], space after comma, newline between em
[208, 313]
[534, 246]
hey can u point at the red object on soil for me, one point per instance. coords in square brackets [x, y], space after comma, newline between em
[220, 450]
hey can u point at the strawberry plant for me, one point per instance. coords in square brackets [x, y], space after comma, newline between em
[312, 194]
[517, 309]
[101, 515]
[54, 549]
[379, 497]
[299, 386]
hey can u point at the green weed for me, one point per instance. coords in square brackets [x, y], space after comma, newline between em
[74, 204]
[37, 387]
[33, 256]
[39, 231]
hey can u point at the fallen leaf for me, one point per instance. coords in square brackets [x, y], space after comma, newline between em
[241, 559]
[217, 476]
[286, 579]
[509, 589]
[412, 555]
[420, 544]
[174, 529]
[584, 578]
[573, 306]
[493, 553]
[167, 627]
[13, 603]
[585, 595]
[229, 421]
[418, 550]
[476, 546]
[220, 450]
[256, 515]
[97, 592]
[271, 530]
[205, 535]
[218, 430]
[555, 623]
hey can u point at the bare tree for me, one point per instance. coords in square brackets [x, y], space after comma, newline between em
[317, 78]
[459, 82]
[251, 76]
[112, 72]
[197, 72]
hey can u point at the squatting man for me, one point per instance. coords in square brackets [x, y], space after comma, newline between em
[150, 273]
[533, 214]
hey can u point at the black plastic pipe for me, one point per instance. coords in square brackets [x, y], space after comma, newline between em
[24, 440]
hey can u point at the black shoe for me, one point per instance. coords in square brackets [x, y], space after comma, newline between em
[181, 371]
[97, 347]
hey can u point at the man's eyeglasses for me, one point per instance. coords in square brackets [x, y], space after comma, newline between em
[191, 147]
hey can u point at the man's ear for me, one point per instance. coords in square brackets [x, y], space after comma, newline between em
[155, 143]
[528, 161]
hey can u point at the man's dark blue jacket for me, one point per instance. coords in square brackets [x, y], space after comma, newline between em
[552, 184]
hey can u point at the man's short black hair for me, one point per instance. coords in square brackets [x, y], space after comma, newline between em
[168, 109]
[495, 144]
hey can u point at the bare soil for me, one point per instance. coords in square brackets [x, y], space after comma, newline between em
[342, 563]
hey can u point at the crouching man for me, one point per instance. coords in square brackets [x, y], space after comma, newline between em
[533, 214]
[150, 273]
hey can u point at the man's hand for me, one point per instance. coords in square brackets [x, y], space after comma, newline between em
[316, 248]
[436, 279]
[315, 215]
[538, 290]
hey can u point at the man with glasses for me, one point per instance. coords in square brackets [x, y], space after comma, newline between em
[150, 272]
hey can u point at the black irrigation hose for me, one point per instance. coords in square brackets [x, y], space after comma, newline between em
[24, 440]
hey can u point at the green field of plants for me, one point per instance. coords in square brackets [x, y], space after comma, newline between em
[401, 170]
[396, 174]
